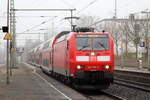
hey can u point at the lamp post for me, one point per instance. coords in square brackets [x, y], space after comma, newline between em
[147, 34]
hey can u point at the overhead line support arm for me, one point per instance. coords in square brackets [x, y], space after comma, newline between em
[43, 9]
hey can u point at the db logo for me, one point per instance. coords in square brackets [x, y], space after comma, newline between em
[92, 58]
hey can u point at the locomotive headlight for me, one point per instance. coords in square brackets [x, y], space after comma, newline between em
[107, 66]
[78, 67]
[92, 54]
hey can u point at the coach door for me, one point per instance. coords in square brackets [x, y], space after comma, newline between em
[50, 61]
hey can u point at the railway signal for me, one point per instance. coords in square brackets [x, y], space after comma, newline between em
[5, 29]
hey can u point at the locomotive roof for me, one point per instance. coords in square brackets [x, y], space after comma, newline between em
[62, 33]
[84, 29]
[91, 32]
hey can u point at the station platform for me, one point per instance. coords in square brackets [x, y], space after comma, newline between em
[133, 69]
[26, 84]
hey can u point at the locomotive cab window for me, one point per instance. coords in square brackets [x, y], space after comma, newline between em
[83, 43]
[101, 43]
[92, 42]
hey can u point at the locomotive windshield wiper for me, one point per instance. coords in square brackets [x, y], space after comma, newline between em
[84, 47]
[102, 45]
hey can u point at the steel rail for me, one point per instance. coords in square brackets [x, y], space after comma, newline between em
[135, 76]
[132, 72]
[95, 97]
[132, 84]
[114, 96]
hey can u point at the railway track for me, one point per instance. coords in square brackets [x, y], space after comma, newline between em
[136, 80]
[91, 95]
[101, 95]
[132, 74]
[133, 84]
[114, 97]
[139, 78]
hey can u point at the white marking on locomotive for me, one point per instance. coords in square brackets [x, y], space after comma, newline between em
[82, 58]
[103, 58]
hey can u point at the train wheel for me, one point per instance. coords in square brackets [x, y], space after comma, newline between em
[68, 81]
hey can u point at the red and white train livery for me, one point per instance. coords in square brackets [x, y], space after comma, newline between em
[85, 59]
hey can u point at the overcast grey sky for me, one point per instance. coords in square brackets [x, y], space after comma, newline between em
[100, 8]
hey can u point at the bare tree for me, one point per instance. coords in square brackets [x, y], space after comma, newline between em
[114, 29]
[86, 21]
[126, 35]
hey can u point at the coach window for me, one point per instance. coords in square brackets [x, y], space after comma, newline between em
[37, 49]
[34, 50]
[50, 59]
[46, 45]
[62, 38]
[45, 62]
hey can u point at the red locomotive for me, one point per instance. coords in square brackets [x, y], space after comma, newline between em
[82, 58]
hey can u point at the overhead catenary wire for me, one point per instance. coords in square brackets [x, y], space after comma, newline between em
[63, 9]
[94, 1]
[67, 3]
[20, 21]
[37, 3]
[35, 26]
[30, 29]
[18, 18]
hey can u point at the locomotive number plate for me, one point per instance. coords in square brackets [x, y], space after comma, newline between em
[92, 67]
